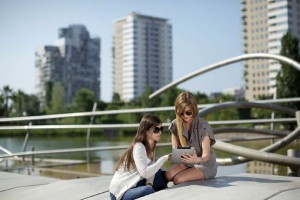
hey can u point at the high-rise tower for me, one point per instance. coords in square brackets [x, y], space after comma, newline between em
[265, 22]
[74, 61]
[142, 55]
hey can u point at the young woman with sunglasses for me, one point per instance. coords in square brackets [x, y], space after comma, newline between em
[189, 129]
[137, 174]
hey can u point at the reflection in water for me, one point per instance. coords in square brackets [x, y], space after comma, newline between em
[104, 162]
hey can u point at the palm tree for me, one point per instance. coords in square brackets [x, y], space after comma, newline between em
[19, 101]
[6, 95]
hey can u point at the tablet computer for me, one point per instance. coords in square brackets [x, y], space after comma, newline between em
[177, 152]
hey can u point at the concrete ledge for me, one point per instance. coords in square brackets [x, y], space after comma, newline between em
[37, 188]
[239, 186]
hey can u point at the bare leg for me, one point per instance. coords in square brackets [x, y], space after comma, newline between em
[190, 174]
[175, 169]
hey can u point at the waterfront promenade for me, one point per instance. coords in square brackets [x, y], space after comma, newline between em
[240, 186]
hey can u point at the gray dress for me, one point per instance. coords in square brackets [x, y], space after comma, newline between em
[200, 128]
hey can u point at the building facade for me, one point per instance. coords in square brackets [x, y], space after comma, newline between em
[264, 24]
[142, 55]
[74, 61]
[48, 67]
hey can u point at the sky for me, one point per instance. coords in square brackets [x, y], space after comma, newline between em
[204, 33]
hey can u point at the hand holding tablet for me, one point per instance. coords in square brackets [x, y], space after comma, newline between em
[178, 152]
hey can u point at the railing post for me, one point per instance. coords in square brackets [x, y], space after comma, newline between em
[32, 156]
[272, 126]
[293, 171]
[26, 141]
[298, 118]
[88, 134]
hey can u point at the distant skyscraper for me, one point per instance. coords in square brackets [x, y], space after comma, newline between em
[48, 67]
[265, 22]
[74, 61]
[142, 55]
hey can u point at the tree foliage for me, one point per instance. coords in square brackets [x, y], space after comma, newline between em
[149, 103]
[288, 79]
[57, 104]
[6, 95]
[48, 95]
[84, 100]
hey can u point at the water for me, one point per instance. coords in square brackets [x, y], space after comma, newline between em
[103, 162]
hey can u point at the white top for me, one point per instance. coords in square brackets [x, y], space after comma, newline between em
[144, 168]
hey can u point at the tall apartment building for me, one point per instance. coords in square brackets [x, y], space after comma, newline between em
[264, 24]
[74, 61]
[142, 55]
[48, 67]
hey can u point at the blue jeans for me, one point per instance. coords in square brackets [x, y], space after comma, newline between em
[160, 182]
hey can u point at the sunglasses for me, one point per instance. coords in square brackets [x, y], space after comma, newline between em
[187, 113]
[157, 129]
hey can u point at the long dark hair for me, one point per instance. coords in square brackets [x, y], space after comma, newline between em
[147, 122]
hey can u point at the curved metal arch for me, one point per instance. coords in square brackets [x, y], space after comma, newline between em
[245, 104]
[249, 131]
[226, 62]
[271, 148]
[222, 146]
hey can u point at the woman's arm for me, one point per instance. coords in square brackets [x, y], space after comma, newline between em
[140, 159]
[174, 141]
[194, 159]
[205, 149]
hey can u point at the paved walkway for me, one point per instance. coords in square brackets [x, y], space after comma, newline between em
[240, 186]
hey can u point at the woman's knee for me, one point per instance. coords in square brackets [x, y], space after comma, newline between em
[178, 179]
[170, 174]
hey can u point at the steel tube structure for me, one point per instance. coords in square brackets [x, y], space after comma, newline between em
[279, 144]
[271, 148]
[127, 111]
[258, 155]
[245, 104]
[223, 63]
[112, 126]
[249, 130]
[245, 154]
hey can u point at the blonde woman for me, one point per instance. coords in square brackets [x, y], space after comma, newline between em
[137, 174]
[189, 129]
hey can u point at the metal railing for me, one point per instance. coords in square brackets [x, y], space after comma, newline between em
[264, 154]
[207, 109]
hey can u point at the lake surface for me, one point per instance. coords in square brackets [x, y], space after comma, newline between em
[103, 162]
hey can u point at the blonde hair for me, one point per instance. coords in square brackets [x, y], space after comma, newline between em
[184, 99]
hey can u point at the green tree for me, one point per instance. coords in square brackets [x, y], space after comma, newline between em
[288, 78]
[18, 105]
[146, 102]
[24, 104]
[6, 96]
[169, 97]
[201, 98]
[1, 106]
[116, 97]
[83, 100]
[57, 104]
[32, 105]
[48, 95]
